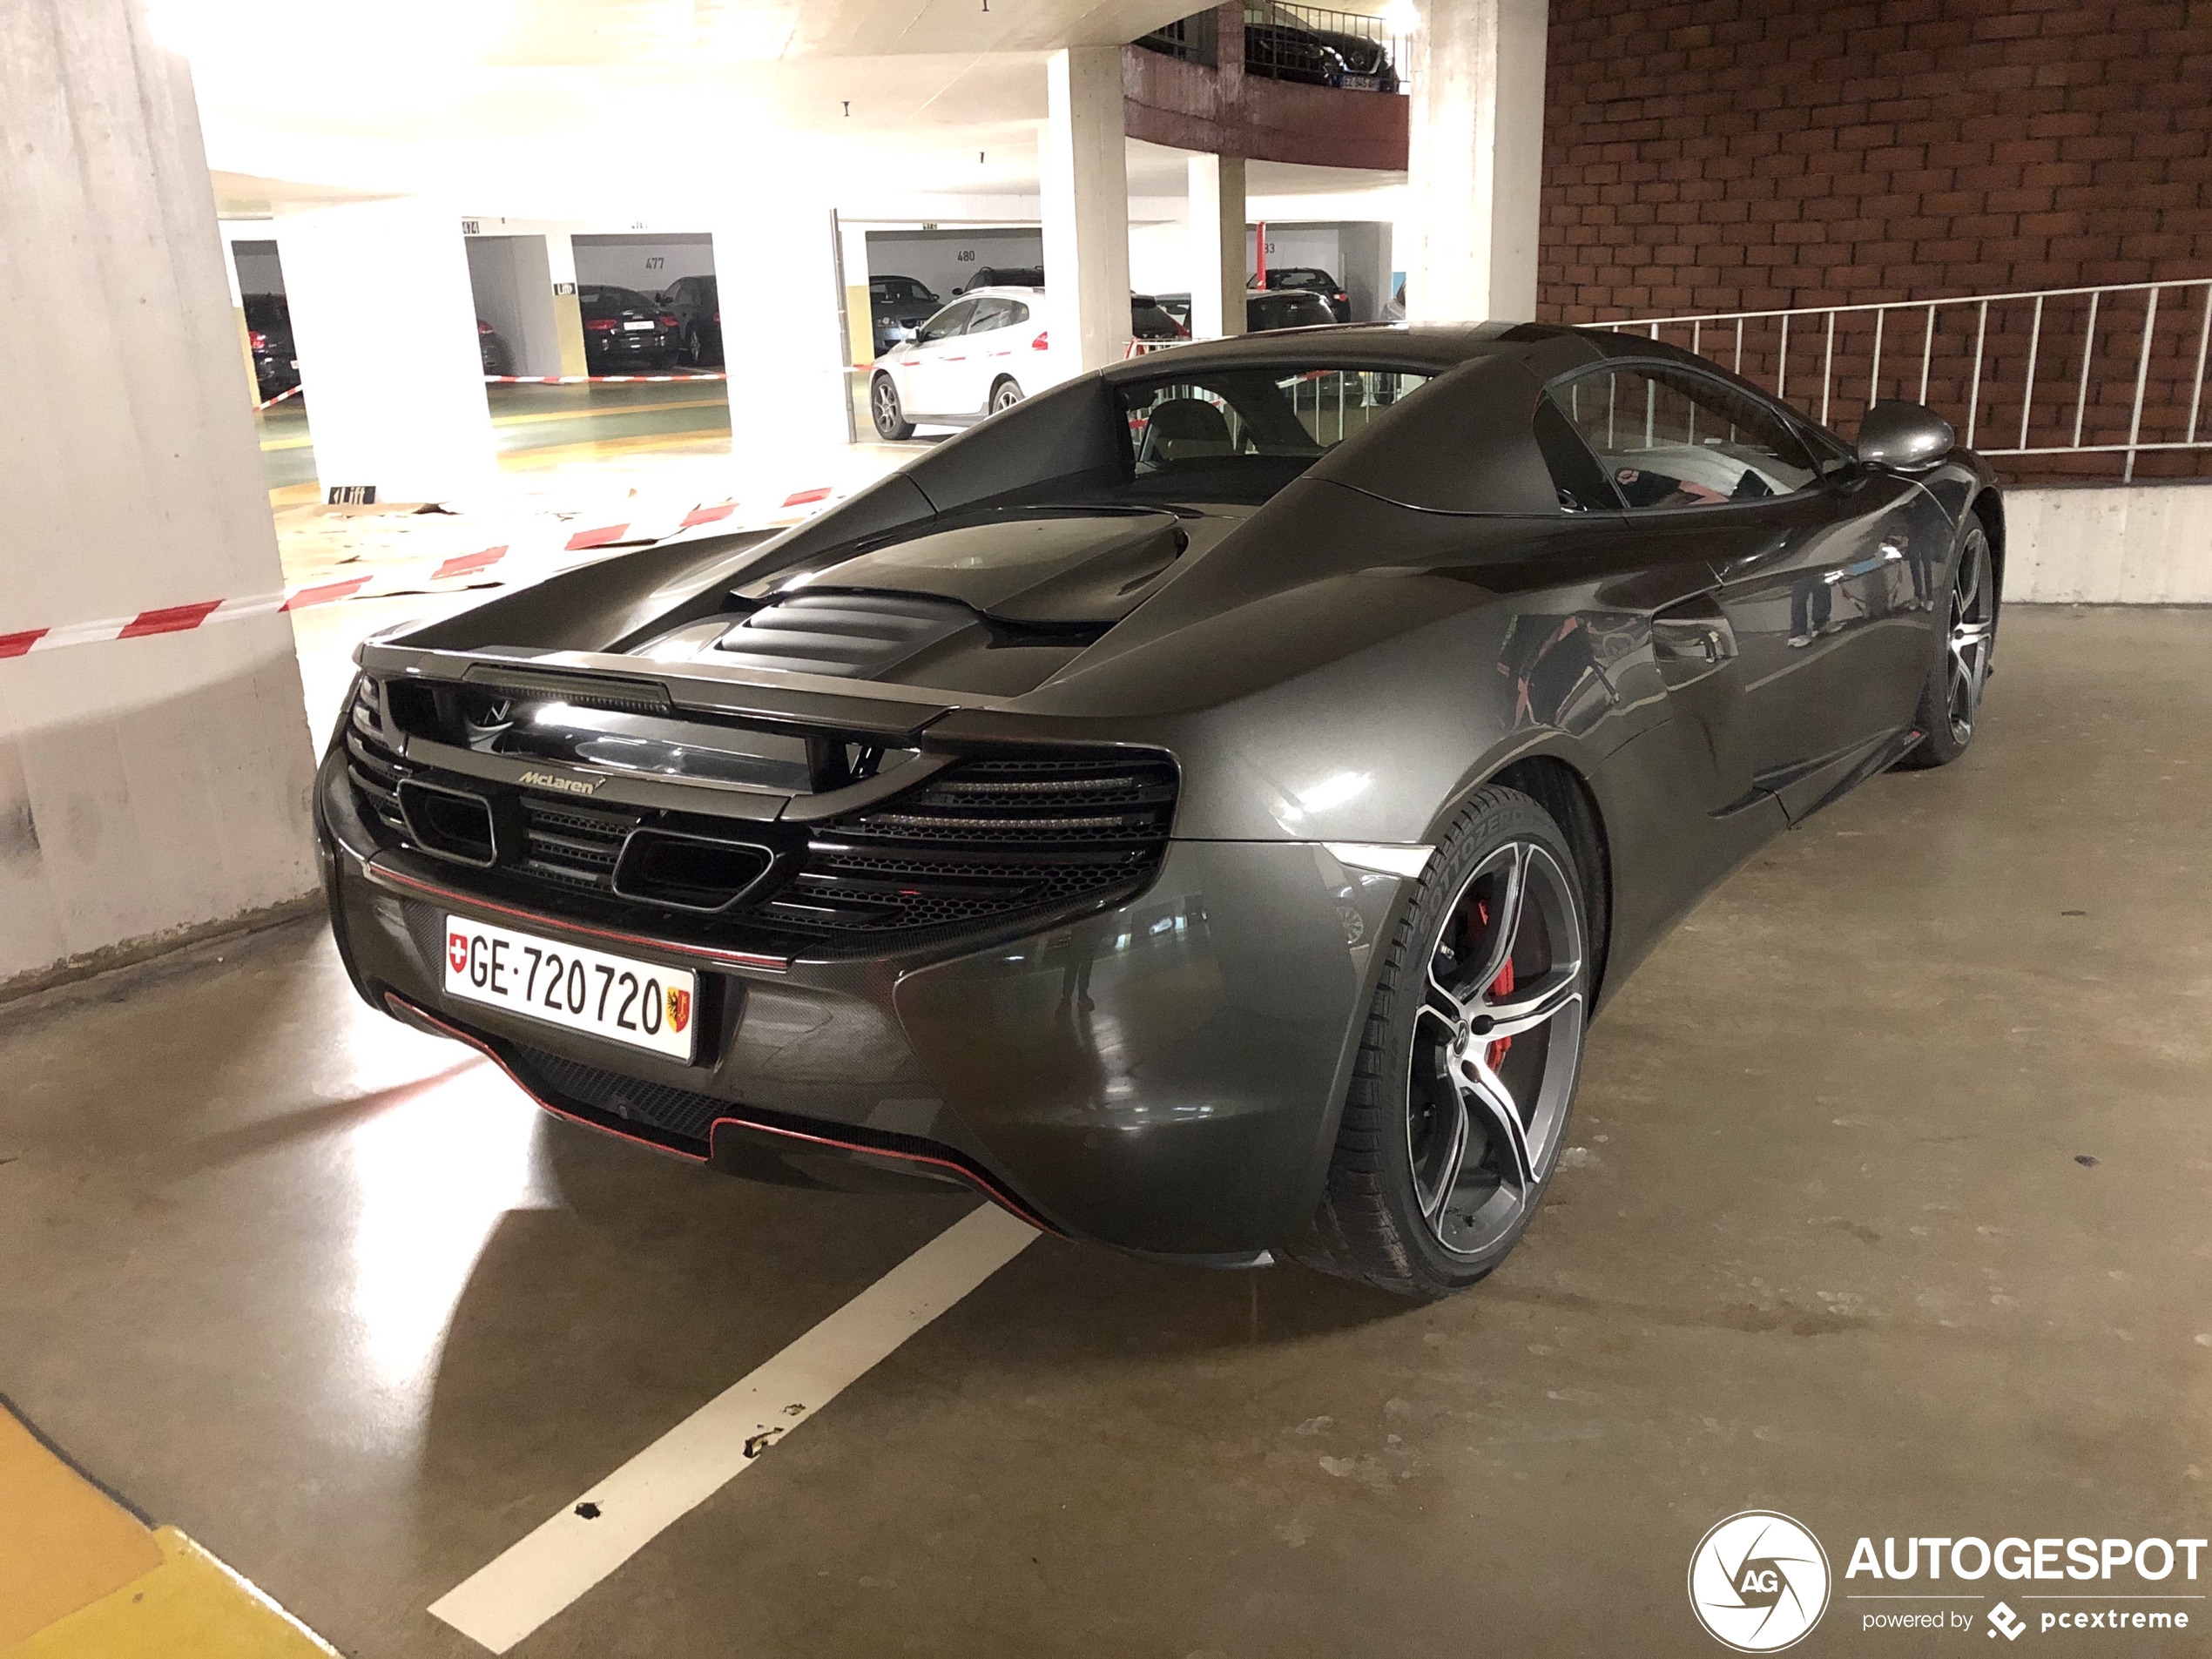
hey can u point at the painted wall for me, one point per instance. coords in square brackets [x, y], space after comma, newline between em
[2143, 545]
[259, 271]
[648, 261]
[944, 260]
[154, 785]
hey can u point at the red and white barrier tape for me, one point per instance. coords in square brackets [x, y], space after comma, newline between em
[173, 619]
[270, 403]
[598, 379]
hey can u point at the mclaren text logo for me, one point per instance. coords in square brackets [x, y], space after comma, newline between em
[553, 780]
[1758, 1581]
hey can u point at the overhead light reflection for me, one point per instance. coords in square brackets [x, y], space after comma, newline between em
[434, 1176]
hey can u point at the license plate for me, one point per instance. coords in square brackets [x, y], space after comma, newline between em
[1362, 83]
[634, 325]
[638, 1003]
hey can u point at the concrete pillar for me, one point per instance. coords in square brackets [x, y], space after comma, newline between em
[155, 785]
[1476, 159]
[386, 326]
[1085, 207]
[238, 313]
[568, 314]
[787, 381]
[513, 285]
[1216, 246]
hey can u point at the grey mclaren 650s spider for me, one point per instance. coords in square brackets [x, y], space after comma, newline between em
[1201, 807]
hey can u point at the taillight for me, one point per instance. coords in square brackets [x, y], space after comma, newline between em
[1344, 299]
[259, 340]
[483, 327]
[1042, 342]
[718, 319]
[667, 321]
[599, 325]
[1181, 333]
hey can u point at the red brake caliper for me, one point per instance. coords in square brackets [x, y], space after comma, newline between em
[1501, 986]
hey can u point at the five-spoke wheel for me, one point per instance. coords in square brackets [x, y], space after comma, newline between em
[1458, 1109]
[1951, 701]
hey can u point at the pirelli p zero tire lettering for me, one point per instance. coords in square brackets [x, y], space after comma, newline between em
[1468, 1065]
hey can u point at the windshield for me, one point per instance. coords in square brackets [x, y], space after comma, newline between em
[1251, 431]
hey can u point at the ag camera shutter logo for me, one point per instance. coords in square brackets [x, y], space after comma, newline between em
[1758, 1581]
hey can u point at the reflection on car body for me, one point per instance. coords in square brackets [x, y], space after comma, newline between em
[1201, 807]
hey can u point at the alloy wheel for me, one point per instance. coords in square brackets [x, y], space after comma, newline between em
[1496, 1042]
[887, 408]
[1968, 641]
[1006, 397]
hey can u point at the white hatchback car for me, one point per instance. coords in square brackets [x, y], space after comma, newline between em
[971, 360]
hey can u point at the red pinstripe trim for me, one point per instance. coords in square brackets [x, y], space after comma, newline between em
[725, 958]
[171, 619]
[409, 1010]
[989, 1188]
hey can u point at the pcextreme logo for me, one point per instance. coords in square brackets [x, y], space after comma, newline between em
[1758, 1581]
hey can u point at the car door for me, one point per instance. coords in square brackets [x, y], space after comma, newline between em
[1812, 591]
[922, 368]
[992, 335]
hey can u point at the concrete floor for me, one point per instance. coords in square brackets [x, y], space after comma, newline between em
[1885, 1207]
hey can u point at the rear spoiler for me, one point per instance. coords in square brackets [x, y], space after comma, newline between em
[596, 680]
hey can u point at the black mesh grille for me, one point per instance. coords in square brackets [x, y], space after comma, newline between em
[981, 843]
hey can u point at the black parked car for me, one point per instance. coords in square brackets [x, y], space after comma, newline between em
[1203, 819]
[624, 330]
[1286, 51]
[698, 310]
[268, 335]
[1292, 308]
[1361, 64]
[1150, 319]
[1004, 276]
[897, 305]
[1313, 280]
[491, 349]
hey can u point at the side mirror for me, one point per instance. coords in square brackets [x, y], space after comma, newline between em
[1904, 437]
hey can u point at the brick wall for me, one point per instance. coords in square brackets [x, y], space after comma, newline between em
[1735, 155]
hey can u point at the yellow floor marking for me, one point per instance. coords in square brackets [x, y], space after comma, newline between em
[561, 453]
[64, 1543]
[189, 1607]
[611, 411]
[81, 1577]
[618, 408]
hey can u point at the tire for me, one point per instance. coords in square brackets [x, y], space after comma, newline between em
[891, 422]
[1950, 696]
[1004, 395]
[1430, 1186]
[692, 353]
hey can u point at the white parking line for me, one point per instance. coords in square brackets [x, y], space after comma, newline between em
[504, 1601]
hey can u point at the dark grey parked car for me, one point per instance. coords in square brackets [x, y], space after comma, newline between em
[1202, 806]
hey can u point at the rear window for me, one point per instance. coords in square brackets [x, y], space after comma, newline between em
[1290, 309]
[1250, 431]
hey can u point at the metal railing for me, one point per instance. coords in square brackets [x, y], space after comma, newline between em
[1280, 44]
[2120, 367]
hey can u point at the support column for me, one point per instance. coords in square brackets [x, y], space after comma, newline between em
[154, 784]
[1216, 246]
[568, 313]
[386, 327]
[513, 284]
[787, 382]
[1476, 160]
[1085, 208]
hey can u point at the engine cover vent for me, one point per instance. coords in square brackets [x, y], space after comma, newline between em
[853, 636]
